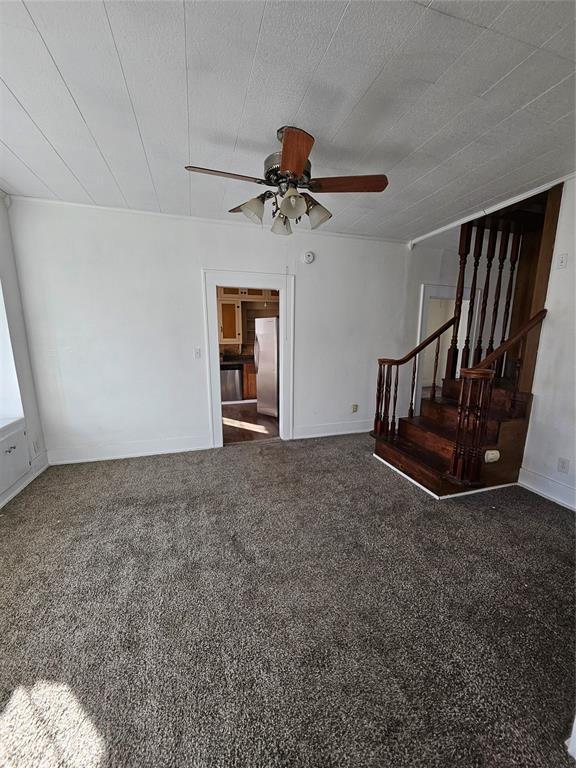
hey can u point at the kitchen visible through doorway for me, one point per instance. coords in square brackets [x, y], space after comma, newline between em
[248, 338]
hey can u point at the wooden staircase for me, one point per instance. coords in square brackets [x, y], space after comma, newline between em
[469, 432]
[424, 445]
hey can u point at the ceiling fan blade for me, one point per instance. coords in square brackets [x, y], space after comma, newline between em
[376, 183]
[225, 174]
[296, 146]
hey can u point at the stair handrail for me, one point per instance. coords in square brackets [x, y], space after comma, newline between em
[387, 394]
[488, 361]
[475, 402]
[419, 348]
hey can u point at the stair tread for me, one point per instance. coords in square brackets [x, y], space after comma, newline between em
[449, 433]
[495, 414]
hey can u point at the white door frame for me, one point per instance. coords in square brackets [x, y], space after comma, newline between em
[431, 291]
[284, 284]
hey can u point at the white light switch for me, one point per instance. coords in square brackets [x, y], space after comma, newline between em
[197, 353]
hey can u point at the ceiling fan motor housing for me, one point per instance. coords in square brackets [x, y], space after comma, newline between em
[275, 178]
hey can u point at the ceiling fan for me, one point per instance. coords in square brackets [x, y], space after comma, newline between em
[290, 170]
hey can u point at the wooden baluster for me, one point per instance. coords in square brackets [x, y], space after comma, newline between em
[379, 392]
[457, 464]
[393, 422]
[489, 259]
[518, 370]
[463, 251]
[412, 388]
[386, 426]
[514, 253]
[502, 253]
[473, 411]
[436, 356]
[478, 242]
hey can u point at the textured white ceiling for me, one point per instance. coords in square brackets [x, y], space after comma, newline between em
[462, 104]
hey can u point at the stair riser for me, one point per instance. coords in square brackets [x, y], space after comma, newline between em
[501, 398]
[437, 444]
[447, 416]
[411, 467]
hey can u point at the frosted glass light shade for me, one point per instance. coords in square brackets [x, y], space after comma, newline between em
[318, 215]
[293, 204]
[281, 226]
[253, 209]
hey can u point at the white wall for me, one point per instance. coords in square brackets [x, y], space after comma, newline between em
[552, 431]
[114, 307]
[17, 329]
[10, 401]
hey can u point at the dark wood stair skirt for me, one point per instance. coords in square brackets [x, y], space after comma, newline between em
[423, 446]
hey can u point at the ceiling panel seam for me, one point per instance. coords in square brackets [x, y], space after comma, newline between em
[480, 135]
[454, 64]
[499, 32]
[242, 112]
[473, 23]
[455, 117]
[96, 144]
[317, 67]
[46, 138]
[132, 105]
[374, 79]
[25, 164]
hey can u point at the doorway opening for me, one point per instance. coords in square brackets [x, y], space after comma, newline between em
[249, 339]
[437, 304]
[248, 343]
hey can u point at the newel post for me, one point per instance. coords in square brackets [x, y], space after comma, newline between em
[463, 251]
[379, 392]
[473, 412]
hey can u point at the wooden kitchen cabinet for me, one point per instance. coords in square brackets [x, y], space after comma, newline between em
[249, 381]
[248, 294]
[230, 321]
[228, 293]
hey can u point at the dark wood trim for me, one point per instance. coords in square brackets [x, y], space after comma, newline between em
[463, 251]
[541, 278]
[478, 242]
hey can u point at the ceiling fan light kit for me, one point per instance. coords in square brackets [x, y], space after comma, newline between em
[293, 204]
[254, 209]
[288, 171]
[316, 212]
[281, 225]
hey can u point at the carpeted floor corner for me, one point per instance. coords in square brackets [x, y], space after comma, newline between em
[292, 605]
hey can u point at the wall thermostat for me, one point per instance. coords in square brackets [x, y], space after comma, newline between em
[308, 257]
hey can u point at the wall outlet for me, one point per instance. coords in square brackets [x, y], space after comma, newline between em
[562, 261]
[563, 465]
[354, 407]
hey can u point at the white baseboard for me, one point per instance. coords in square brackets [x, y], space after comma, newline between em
[39, 464]
[551, 489]
[332, 428]
[77, 454]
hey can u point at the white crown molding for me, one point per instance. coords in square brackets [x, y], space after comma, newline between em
[201, 220]
[491, 209]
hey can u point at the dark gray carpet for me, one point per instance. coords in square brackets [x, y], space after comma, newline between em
[283, 604]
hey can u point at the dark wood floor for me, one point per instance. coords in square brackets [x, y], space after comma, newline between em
[241, 423]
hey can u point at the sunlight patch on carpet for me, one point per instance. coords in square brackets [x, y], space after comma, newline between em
[45, 725]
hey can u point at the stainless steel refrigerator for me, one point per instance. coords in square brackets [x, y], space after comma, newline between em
[266, 363]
